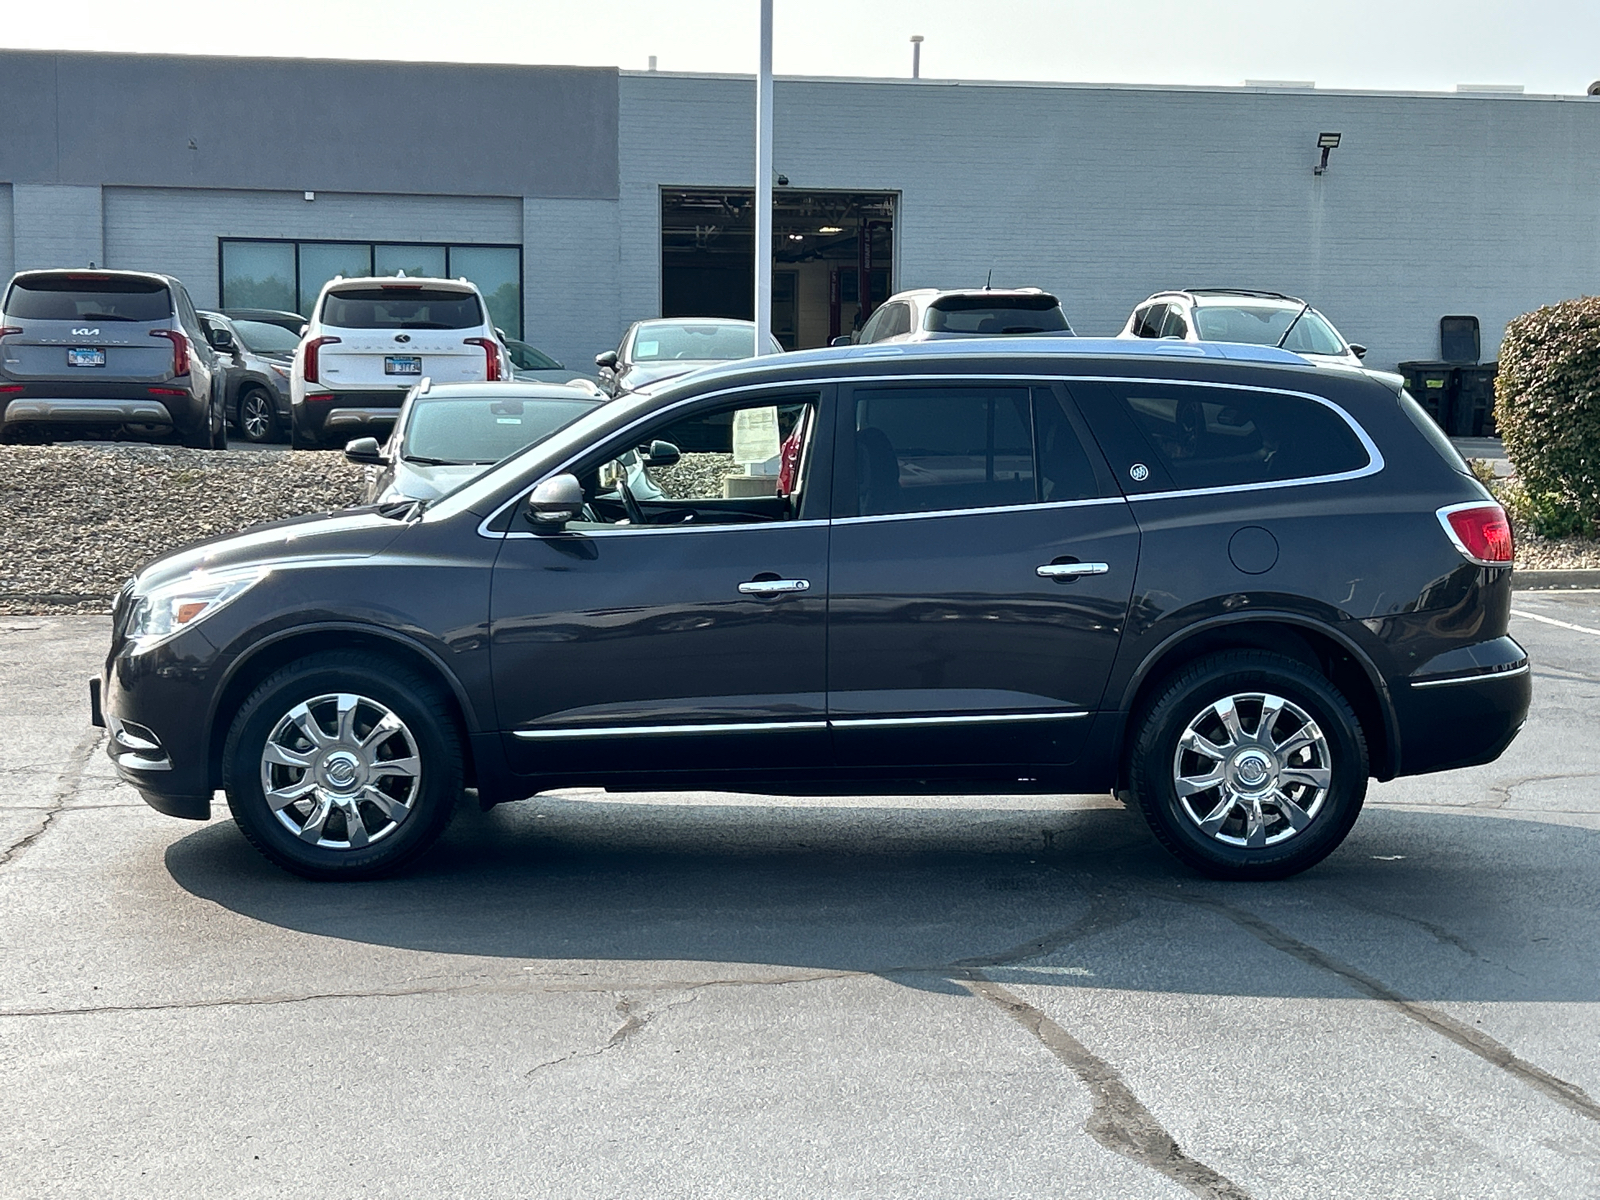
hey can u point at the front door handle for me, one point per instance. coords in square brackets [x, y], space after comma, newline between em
[774, 587]
[1070, 570]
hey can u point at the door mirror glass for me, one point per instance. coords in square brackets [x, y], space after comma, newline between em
[844, 339]
[660, 454]
[556, 501]
[606, 361]
[363, 450]
[1358, 350]
[221, 339]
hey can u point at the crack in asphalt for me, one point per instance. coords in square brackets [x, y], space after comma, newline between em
[1493, 1052]
[1501, 791]
[1118, 1120]
[632, 1024]
[1105, 913]
[66, 784]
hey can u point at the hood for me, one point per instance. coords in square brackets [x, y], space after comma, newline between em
[352, 533]
[641, 374]
[416, 481]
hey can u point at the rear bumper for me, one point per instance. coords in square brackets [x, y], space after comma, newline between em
[346, 412]
[1462, 720]
[133, 406]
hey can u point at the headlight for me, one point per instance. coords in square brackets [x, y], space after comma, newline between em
[277, 370]
[168, 610]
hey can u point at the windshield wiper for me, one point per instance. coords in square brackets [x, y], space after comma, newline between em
[1304, 309]
[422, 325]
[438, 462]
[103, 317]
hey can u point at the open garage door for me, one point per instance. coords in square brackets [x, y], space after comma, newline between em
[832, 255]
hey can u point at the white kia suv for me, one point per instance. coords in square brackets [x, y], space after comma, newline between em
[369, 341]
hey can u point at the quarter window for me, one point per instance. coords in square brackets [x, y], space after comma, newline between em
[1216, 437]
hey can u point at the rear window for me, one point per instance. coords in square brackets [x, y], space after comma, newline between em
[401, 308]
[982, 315]
[88, 298]
[1222, 437]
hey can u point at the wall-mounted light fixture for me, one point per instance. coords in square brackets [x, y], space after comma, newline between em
[311, 195]
[1325, 143]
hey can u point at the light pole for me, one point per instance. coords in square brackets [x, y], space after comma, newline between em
[763, 247]
[916, 56]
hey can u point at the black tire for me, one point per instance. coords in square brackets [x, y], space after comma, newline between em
[1226, 852]
[258, 416]
[427, 734]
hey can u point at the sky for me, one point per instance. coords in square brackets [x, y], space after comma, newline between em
[1548, 46]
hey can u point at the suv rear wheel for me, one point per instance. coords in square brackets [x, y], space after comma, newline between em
[1249, 765]
[342, 767]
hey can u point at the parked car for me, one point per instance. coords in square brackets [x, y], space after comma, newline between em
[370, 339]
[1224, 583]
[258, 358]
[292, 321]
[1251, 318]
[652, 351]
[535, 366]
[928, 314]
[448, 434]
[110, 353]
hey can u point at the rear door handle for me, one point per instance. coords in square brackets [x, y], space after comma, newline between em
[1070, 570]
[774, 587]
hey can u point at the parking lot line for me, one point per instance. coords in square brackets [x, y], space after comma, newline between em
[1521, 612]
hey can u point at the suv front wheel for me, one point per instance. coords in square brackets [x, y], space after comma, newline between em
[1249, 765]
[343, 767]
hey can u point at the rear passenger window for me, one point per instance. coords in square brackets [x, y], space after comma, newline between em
[1216, 437]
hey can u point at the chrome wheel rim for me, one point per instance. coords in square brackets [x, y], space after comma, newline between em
[341, 771]
[255, 420]
[1252, 770]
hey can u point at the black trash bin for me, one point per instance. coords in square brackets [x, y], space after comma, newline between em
[1472, 408]
[1433, 385]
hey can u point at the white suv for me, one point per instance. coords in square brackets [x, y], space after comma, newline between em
[1241, 315]
[369, 341]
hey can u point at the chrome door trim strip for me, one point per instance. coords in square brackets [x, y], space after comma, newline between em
[974, 719]
[665, 730]
[1374, 465]
[1477, 678]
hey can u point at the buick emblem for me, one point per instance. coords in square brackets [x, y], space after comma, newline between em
[402, 337]
[1140, 472]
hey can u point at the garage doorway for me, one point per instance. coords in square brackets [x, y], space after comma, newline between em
[832, 259]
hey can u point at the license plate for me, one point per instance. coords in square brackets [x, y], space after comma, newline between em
[402, 364]
[85, 358]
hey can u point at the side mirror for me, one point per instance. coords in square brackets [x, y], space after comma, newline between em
[554, 502]
[220, 339]
[659, 454]
[606, 361]
[844, 339]
[500, 333]
[1358, 351]
[303, 329]
[363, 450]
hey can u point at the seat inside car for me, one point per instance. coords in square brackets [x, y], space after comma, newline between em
[877, 472]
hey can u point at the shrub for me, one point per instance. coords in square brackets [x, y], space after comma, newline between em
[1547, 407]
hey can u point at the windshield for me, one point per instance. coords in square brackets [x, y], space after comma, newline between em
[662, 342]
[526, 358]
[981, 315]
[1263, 325]
[88, 298]
[262, 338]
[401, 307]
[484, 429]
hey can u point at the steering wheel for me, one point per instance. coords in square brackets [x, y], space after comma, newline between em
[635, 513]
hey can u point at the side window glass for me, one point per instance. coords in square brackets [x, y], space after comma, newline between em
[935, 449]
[740, 464]
[898, 321]
[1065, 469]
[1175, 326]
[1150, 325]
[873, 329]
[1223, 437]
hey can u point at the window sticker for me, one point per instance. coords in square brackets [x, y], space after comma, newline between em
[646, 349]
[755, 435]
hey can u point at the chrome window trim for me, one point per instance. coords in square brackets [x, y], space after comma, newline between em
[635, 530]
[1478, 677]
[970, 512]
[1375, 460]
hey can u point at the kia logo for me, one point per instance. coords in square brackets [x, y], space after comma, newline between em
[402, 337]
[87, 332]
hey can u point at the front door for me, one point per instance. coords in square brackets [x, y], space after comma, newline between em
[979, 594]
[681, 624]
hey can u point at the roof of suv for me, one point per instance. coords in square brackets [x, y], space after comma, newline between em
[401, 281]
[1219, 295]
[93, 273]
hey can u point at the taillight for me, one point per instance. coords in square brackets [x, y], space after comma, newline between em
[180, 348]
[1480, 531]
[8, 330]
[313, 355]
[491, 352]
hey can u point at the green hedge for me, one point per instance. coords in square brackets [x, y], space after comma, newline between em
[1547, 407]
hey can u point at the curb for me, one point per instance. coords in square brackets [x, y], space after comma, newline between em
[1547, 581]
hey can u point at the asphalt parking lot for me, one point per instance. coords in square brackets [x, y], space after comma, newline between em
[707, 995]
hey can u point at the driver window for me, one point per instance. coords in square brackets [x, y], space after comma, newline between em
[742, 464]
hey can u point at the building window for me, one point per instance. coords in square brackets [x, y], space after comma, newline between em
[287, 275]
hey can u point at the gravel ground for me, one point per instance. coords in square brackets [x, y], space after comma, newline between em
[1535, 553]
[76, 521]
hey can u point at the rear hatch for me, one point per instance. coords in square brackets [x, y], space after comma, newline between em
[994, 314]
[87, 327]
[392, 335]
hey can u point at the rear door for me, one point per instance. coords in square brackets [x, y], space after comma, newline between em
[88, 328]
[979, 591]
[395, 334]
